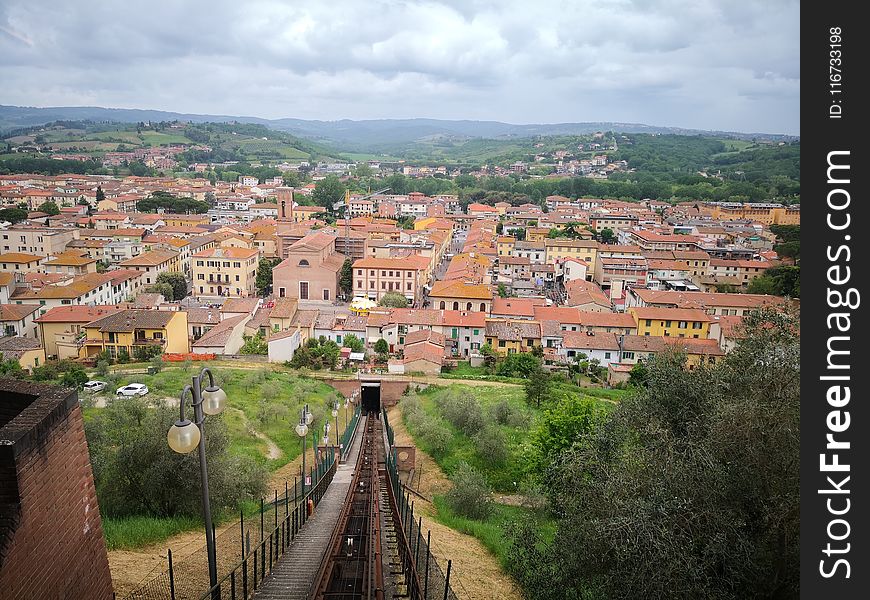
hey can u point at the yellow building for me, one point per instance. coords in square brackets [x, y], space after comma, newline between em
[769, 214]
[136, 330]
[424, 223]
[61, 329]
[505, 245]
[512, 337]
[537, 234]
[461, 295]
[228, 272]
[153, 263]
[639, 348]
[172, 220]
[18, 262]
[27, 351]
[558, 249]
[671, 322]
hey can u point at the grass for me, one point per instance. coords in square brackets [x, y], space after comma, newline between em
[492, 532]
[462, 447]
[508, 476]
[245, 389]
[134, 532]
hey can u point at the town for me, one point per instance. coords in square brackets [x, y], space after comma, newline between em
[99, 268]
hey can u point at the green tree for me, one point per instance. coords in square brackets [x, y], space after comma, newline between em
[101, 195]
[778, 281]
[49, 208]
[639, 375]
[264, 275]
[328, 191]
[161, 288]
[254, 344]
[157, 363]
[382, 347]
[10, 367]
[502, 291]
[537, 387]
[607, 235]
[362, 171]
[178, 283]
[687, 489]
[394, 300]
[74, 378]
[136, 474]
[345, 281]
[354, 343]
[470, 495]
[13, 215]
[521, 364]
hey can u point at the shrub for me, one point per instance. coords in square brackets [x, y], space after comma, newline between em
[491, 445]
[102, 368]
[157, 363]
[470, 495]
[505, 413]
[436, 437]
[462, 411]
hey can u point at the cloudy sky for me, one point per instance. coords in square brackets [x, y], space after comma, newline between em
[707, 64]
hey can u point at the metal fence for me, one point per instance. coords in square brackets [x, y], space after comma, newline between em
[247, 550]
[435, 582]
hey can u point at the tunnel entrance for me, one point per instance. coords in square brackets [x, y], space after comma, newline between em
[371, 397]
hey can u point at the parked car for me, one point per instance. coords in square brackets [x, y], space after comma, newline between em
[94, 386]
[134, 389]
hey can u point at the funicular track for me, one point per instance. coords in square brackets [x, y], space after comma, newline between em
[365, 543]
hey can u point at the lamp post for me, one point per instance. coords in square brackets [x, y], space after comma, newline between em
[183, 437]
[335, 416]
[302, 431]
[346, 405]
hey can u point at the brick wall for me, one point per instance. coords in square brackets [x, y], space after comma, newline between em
[51, 536]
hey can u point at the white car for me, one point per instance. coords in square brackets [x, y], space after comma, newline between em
[94, 386]
[134, 389]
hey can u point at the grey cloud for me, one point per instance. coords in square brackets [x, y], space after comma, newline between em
[707, 64]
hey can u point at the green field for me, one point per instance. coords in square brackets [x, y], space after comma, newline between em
[246, 390]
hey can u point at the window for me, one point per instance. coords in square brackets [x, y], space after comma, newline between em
[304, 263]
[409, 286]
[606, 355]
[682, 325]
[158, 335]
[649, 322]
[359, 284]
[383, 285]
[627, 355]
[237, 265]
[303, 290]
[442, 305]
[667, 323]
[237, 278]
[383, 273]
[359, 271]
[697, 324]
[326, 293]
[501, 343]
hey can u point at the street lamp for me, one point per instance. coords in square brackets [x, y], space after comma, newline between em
[335, 416]
[326, 434]
[346, 405]
[185, 436]
[302, 431]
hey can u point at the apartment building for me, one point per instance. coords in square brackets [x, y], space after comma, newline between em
[671, 322]
[227, 272]
[558, 249]
[153, 263]
[19, 262]
[130, 329]
[42, 241]
[374, 277]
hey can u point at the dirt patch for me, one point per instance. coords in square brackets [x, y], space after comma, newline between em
[476, 572]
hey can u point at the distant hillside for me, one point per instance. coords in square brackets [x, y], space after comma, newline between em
[368, 135]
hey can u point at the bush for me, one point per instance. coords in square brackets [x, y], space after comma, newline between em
[462, 411]
[491, 445]
[123, 356]
[102, 368]
[505, 413]
[470, 495]
[436, 437]
[74, 378]
[157, 363]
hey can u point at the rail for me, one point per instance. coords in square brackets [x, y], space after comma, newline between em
[241, 582]
[350, 568]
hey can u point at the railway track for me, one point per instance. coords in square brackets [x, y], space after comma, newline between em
[368, 554]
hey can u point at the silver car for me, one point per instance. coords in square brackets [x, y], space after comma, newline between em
[134, 389]
[94, 386]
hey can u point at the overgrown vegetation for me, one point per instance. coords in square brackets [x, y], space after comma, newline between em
[689, 489]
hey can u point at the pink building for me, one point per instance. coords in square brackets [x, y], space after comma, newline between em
[311, 270]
